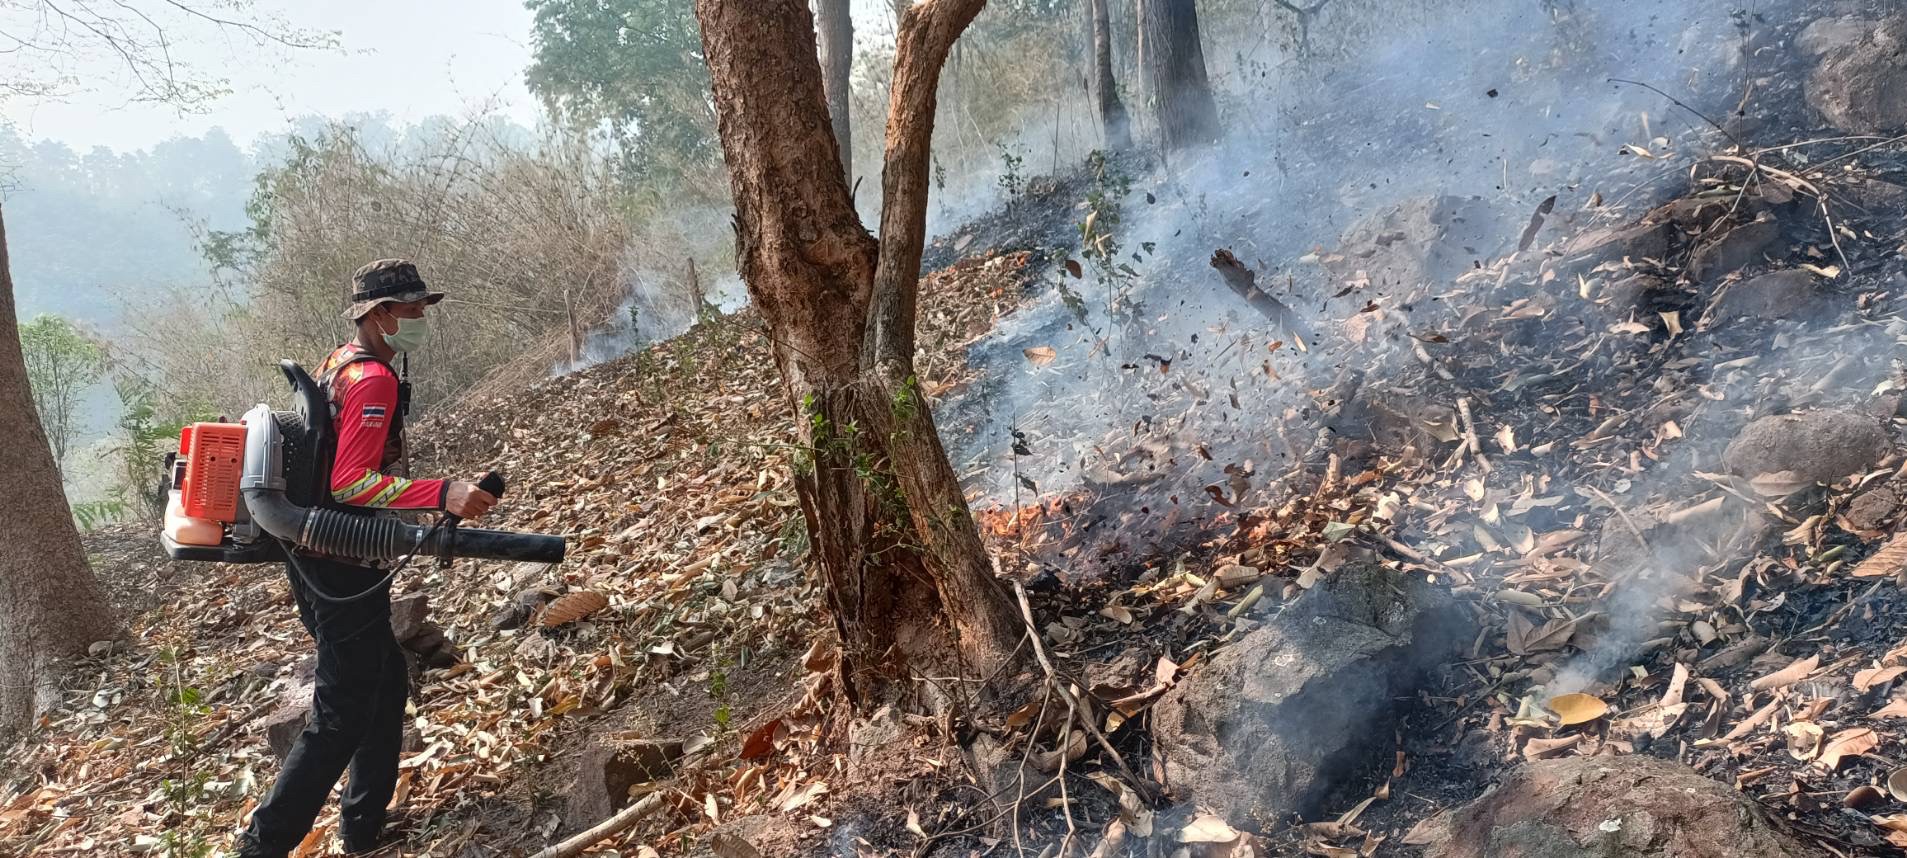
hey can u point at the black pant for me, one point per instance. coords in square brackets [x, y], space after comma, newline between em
[357, 716]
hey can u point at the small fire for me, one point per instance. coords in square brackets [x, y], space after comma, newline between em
[1049, 518]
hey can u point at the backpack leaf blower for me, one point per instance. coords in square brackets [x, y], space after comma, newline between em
[256, 490]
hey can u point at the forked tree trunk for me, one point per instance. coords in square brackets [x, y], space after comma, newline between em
[51, 606]
[1174, 65]
[909, 583]
[834, 37]
[1112, 111]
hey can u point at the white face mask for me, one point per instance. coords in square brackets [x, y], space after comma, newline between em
[409, 335]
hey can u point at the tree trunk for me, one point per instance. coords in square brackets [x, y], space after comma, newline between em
[835, 39]
[51, 606]
[1174, 65]
[909, 583]
[1112, 112]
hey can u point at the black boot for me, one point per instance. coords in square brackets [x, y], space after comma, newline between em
[249, 847]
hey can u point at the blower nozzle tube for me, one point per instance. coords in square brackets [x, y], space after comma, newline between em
[363, 537]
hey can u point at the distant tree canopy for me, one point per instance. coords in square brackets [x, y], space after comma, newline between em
[634, 67]
[61, 363]
[90, 230]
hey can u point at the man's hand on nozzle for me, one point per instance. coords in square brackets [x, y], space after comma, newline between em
[466, 501]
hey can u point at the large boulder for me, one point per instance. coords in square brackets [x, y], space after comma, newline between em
[605, 772]
[1275, 723]
[1860, 82]
[1825, 35]
[1421, 240]
[1609, 807]
[1807, 447]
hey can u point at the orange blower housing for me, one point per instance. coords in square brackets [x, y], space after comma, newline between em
[213, 458]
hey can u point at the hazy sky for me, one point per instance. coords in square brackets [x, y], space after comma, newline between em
[409, 58]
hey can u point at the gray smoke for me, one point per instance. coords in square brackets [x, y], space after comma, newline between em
[1498, 101]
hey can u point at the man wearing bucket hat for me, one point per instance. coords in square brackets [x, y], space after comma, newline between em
[362, 680]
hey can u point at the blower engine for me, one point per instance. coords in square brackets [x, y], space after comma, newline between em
[246, 492]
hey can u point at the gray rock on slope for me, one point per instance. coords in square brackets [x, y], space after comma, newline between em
[1860, 81]
[1609, 807]
[1808, 447]
[1275, 723]
[1780, 294]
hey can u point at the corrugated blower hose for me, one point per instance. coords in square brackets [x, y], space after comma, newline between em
[258, 490]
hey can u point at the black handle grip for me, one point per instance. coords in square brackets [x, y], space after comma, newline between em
[492, 482]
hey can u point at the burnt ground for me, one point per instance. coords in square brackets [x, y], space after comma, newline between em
[1043, 218]
[669, 470]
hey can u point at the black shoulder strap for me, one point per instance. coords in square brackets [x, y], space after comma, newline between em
[356, 357]
[403, 384]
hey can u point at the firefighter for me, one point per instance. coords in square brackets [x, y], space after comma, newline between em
[357, 708]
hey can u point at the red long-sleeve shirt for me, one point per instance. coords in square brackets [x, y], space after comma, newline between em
[366, 393]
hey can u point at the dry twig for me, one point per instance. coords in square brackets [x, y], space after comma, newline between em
[603, 830]
[1085, 720]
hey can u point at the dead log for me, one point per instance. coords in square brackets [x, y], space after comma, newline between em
[1244, 282]
[611, 826]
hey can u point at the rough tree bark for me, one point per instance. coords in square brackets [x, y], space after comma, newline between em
[908, 581]
[1112, 111]
[1174, 66]
[51, 606]
[834, 36]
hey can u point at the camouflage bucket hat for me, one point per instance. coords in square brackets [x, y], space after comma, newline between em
[387, 281]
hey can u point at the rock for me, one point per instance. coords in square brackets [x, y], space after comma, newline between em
[1873, 196]
[1632, 292]
[1808, 447]
[1608, 807]
[755, 836]
[1277, 722]
[430, 647]
[1781, 294]
[1860, 85]
[283, 725]
[524, 604]
[407, 615]
[1734, 250]
[1827, 34]
[427, 640]
[1643, 240]
[535, 648]
[1873, 510]
[870, 736]
[100, 649]
[607, 769]
[1426, 239]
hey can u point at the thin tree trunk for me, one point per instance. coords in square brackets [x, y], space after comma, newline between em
[909, 583]
[51, 606]
[835, 38]
[1174, 65]
[1112, 111]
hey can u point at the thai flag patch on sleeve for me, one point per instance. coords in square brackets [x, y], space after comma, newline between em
[372, 417]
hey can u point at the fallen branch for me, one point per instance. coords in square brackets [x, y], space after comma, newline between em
[1084, 716]
[1627, 521]
[1470, 434]
[234, 724]
[605, 829]
[1244, 282]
